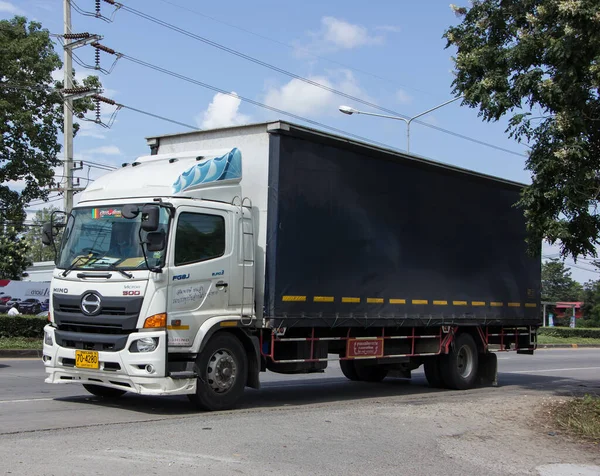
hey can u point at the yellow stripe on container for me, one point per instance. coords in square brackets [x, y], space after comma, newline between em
[440, 303]
[478, 303]
[397, 301]
[420, 301]
[530, 304]
[460, 303]
[375, 300]
[323, 299]
[496, 304]
[350, 299]
[514, 304]
[294, 298]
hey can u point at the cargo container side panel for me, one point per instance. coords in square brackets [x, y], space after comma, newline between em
[361, 236]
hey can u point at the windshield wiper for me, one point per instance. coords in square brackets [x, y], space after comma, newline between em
[112, 267]
[77, 262]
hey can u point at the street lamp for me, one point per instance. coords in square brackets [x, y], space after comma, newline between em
[350, 110]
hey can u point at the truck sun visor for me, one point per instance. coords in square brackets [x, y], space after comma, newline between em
[218, 169]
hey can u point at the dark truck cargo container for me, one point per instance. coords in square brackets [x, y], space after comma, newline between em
[359, 236]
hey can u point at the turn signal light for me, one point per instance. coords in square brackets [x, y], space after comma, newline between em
[156, 321]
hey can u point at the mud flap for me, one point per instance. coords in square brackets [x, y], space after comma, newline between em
[487, 373]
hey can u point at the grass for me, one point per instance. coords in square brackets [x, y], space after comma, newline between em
[21, 343]
[542, 339]
[579, 417]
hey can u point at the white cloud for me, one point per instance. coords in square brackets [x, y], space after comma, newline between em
[403, 97]
[90, 129]
[336, 34]
[10, 8]
[105, 150]
[344, 35]
[389, 28]
[223, 111]
[305, 99]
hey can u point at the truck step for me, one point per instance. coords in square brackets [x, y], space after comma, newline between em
[179, 375]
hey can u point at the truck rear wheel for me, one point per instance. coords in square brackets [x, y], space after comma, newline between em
[349, 370]
[222, 369]
[104, 392]
[459, 367]
[433, 373]
[370, 372]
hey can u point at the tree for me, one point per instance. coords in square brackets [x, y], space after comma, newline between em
[33, 236]
[30, 119]
[537, 61]
[557, 284]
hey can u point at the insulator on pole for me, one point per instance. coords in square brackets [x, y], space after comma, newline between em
[98, 110]
[106, 49]
[98, 8]
[97, 97]
[97, 58]
[76, 36]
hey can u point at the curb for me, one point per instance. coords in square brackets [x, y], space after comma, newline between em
[567, 346]
[20, 353]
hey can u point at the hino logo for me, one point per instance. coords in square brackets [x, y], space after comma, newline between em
[91, 304]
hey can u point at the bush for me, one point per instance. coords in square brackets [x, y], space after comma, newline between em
[22, 326]
[593, 333]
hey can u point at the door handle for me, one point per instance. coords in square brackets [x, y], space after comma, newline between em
[221, 285]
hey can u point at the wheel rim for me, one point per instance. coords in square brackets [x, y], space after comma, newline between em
[221, 371]
[464, 361]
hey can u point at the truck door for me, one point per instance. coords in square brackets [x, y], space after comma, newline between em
[198, 277]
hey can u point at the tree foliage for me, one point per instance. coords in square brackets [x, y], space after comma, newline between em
[538, 62]
[31, 117]
[557, 284]
[33, 236]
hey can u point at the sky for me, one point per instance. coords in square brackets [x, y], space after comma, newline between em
[393, 56]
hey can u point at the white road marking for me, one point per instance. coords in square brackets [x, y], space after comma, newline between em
[27, 400]
[550, 370]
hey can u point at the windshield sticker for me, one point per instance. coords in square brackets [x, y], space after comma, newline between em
[105, 212]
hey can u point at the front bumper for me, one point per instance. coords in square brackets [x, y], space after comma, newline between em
[137, 372]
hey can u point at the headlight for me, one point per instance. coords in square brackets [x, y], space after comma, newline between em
[145, 344]
[48, 339]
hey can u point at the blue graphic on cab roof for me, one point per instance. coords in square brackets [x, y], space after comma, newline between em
[226, 167]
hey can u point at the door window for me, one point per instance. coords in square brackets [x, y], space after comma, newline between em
[199, 237]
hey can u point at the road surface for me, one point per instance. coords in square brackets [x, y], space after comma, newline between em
[302, 424]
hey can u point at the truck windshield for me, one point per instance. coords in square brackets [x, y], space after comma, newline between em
[100, 238]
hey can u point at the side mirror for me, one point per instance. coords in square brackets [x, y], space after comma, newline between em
[130, 211]
[150, 218]
[155, 241]
[47, 234]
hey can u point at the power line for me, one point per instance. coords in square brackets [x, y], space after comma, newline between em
[124, 106]
[161, 117]
[248, 100]
[292, 47]
[272, 67]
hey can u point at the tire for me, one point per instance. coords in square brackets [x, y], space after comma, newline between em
[433, 373]
[370, 373]
[349, 370]
[459, 367]
[104, 392]
[222, 369]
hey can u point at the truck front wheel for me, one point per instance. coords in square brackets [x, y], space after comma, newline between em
[459, 366]
[222, 369]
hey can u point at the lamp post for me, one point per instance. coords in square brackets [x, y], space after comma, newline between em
[350, 110]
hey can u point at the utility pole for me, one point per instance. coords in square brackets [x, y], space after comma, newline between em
[68, 109]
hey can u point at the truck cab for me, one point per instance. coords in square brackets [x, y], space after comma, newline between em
[141, 282]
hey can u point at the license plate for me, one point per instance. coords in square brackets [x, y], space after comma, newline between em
[86, 359]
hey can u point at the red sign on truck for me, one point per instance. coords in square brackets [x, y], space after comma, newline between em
[365, 348]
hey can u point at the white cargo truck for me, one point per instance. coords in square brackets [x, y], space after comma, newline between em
[233, 251]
